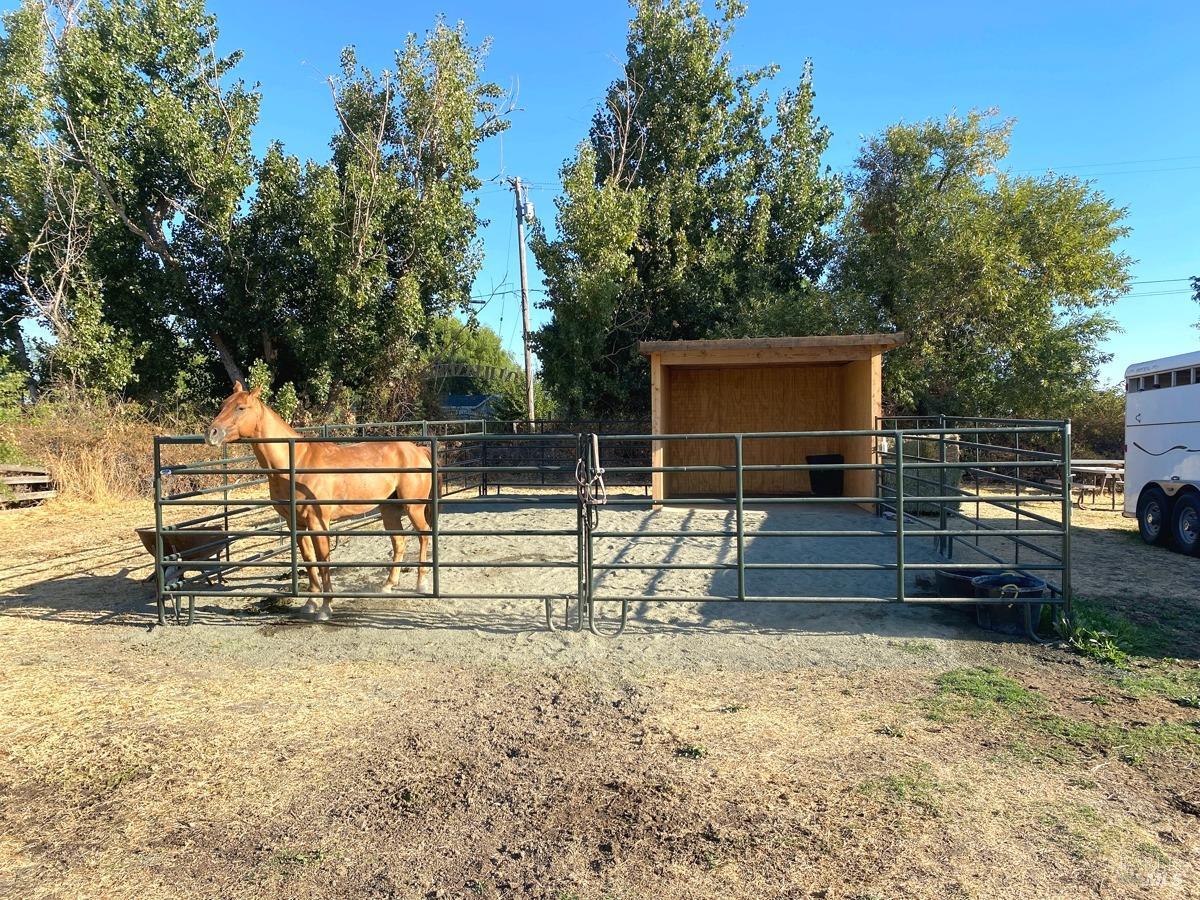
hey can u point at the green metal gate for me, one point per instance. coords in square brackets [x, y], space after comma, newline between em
[1019, 472]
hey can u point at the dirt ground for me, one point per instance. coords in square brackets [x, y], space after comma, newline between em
[411, 749]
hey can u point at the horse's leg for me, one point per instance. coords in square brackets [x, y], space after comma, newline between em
[321, 545]
[417, 514]
[307, 551]
[393, 520]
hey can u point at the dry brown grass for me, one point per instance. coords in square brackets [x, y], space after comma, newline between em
[97, 454]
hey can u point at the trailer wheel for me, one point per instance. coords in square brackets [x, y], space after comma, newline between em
[1185, 524]
[1153, 515]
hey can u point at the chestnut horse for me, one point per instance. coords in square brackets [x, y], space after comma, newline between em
[245, 415]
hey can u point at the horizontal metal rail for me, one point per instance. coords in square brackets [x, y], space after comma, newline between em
[919, 454]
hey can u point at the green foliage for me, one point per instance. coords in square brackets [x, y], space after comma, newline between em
[287, 401]
[1098, 425]
[260, 377]
[12, 387]
[124, 166]
[91, 357]
[452, 341]
[998, 280]
[128, 146]
[340, 265]
[1108, 637]
[1097, 644]
[690, 211]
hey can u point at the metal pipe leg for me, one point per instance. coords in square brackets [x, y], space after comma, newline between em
[594, 625]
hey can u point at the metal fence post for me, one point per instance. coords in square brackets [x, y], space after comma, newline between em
[1017, 502]
[741, 515]
[945, 543]
[581, 565]
[1066, 519]
[292, 514]
[900, 516]
[225, 500]
[483, 476]
[159, 569]
[434, 499]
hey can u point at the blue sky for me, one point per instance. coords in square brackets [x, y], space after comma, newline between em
[1105, 90]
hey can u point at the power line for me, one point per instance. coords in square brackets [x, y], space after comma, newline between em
[1159, 294]
[1163, 280]
[1136, 171]
[510, 291]
[1123, 162]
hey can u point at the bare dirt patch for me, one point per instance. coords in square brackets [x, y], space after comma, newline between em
[410, 754]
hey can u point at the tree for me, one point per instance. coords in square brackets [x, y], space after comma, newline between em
[679, 217]
[126, 145]
[340, 265]
[999, 281]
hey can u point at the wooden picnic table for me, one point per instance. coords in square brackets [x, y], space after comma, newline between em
[1098, 476]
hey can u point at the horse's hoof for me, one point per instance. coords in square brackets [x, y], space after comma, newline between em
[309, 608]
[388, 587]
[323, 614]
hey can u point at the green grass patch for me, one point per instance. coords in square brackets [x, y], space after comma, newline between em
[1130, 743]
[920, 649]
[691, 751]
[1176, 683]
[978, 691]
[1080, 830]
[1043, 735]
[915, 789]
[1110, 638]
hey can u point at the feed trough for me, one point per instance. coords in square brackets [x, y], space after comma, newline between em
[179, 548]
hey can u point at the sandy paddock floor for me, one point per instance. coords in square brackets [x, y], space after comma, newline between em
[759, 633]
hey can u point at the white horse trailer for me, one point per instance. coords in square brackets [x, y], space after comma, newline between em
[1162, 450]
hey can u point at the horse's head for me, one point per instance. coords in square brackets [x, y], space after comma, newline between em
[239, 417]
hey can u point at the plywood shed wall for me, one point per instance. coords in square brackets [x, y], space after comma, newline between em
[779, 384]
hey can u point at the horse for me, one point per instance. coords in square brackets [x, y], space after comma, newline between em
[244, 415]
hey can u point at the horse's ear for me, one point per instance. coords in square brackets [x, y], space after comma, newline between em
[238, 387]
[254, 393]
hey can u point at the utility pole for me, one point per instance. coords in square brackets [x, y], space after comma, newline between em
[520, 198]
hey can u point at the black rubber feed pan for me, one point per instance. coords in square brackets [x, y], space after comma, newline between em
[1010, 586]
[957, 582]
[1009, 618]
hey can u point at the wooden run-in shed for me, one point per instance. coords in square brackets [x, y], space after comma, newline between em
[823, 383]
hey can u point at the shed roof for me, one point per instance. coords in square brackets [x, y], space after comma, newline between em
[858, 341]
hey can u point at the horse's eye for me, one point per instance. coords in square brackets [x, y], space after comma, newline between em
[241, 408]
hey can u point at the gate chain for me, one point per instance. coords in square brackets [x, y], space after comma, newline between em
[593, 493]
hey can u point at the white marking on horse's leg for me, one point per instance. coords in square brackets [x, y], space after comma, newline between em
[325, 612]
